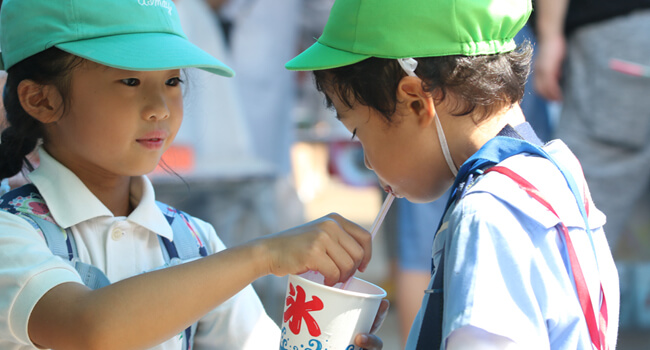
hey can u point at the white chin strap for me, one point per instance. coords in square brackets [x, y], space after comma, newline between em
[445, 147]
[409, 65]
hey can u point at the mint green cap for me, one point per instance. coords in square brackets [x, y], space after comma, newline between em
[360, 29]
[139, 35]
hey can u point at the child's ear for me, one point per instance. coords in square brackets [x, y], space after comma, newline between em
[43, 102]
[416, 100]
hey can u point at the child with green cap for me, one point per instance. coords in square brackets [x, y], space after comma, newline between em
[90, 260]
[431, 88]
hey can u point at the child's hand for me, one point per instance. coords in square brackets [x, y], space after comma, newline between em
[331, 245]
[369, 340]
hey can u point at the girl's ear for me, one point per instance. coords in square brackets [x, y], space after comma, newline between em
[415, 100]
[43, 102]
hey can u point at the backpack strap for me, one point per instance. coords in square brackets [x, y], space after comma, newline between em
[61, 242]
[187, 244]
[4, 186]
[26, 202]
[430, 336]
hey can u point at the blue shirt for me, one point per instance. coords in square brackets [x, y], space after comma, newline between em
[505, 270]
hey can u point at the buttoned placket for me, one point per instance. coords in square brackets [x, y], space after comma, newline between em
[117, 234]
[120, 260]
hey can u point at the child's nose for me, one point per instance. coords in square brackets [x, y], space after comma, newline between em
[156, 108]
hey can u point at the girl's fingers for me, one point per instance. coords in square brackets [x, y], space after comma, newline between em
[328, 256]
[342, 247]
[326, 267]
[360, 238]
[346, 266]
[353, 250]
[331, 245]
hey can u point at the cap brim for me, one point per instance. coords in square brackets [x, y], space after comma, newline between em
[146, 52]
[320, 56]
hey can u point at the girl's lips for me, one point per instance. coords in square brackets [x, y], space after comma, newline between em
[153, 140]
[153, 143]
[156, 134]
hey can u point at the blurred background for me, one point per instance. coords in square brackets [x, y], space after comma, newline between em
[261, 153]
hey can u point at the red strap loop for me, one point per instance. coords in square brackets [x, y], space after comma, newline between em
[596, 333]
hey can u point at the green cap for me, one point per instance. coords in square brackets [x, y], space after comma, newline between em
[140, 35]
[360, 29]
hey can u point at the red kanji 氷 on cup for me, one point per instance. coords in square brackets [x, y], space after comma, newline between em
[327, 318]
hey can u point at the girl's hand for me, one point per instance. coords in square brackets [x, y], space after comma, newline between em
[331, 245]
[369, 340]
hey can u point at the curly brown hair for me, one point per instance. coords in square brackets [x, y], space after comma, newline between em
[485, 83]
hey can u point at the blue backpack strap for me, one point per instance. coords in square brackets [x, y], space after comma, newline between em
[186, 245]
[431, 331]
[58, 239]
[27, 203]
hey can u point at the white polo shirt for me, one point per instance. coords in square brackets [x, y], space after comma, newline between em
[121, 247]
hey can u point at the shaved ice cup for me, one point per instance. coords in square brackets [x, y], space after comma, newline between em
[318, 317]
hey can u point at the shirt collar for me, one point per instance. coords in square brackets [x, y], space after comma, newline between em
[146, 213]
[550, 182]
[71, 202]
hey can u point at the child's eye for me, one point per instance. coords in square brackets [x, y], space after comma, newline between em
[174, 81]
[354, 134]
[131, 82]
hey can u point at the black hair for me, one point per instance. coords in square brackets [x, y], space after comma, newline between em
[52, 66]
[484, 83]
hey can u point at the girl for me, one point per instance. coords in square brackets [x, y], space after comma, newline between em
[99, 83]
[520, 260]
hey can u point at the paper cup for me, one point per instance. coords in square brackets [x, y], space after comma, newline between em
[318, 317]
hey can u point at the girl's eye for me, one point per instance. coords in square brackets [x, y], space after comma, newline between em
[131, 82]
[354, 134]
[174, 81]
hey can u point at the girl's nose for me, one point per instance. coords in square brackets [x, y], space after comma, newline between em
[156, 108]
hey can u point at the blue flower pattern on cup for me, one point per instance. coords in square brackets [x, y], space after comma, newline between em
[313, 344]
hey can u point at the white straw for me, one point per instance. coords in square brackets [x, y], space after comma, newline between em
[382, 214]
[375, 226]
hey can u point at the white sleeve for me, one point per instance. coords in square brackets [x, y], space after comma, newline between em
[472, 338]
[28, 270]
[238, 323]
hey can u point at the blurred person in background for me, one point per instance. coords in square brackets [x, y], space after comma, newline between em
[591, 57]
[258, 197]
[260, 36]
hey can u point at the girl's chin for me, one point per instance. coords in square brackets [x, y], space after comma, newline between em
[157, 168]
